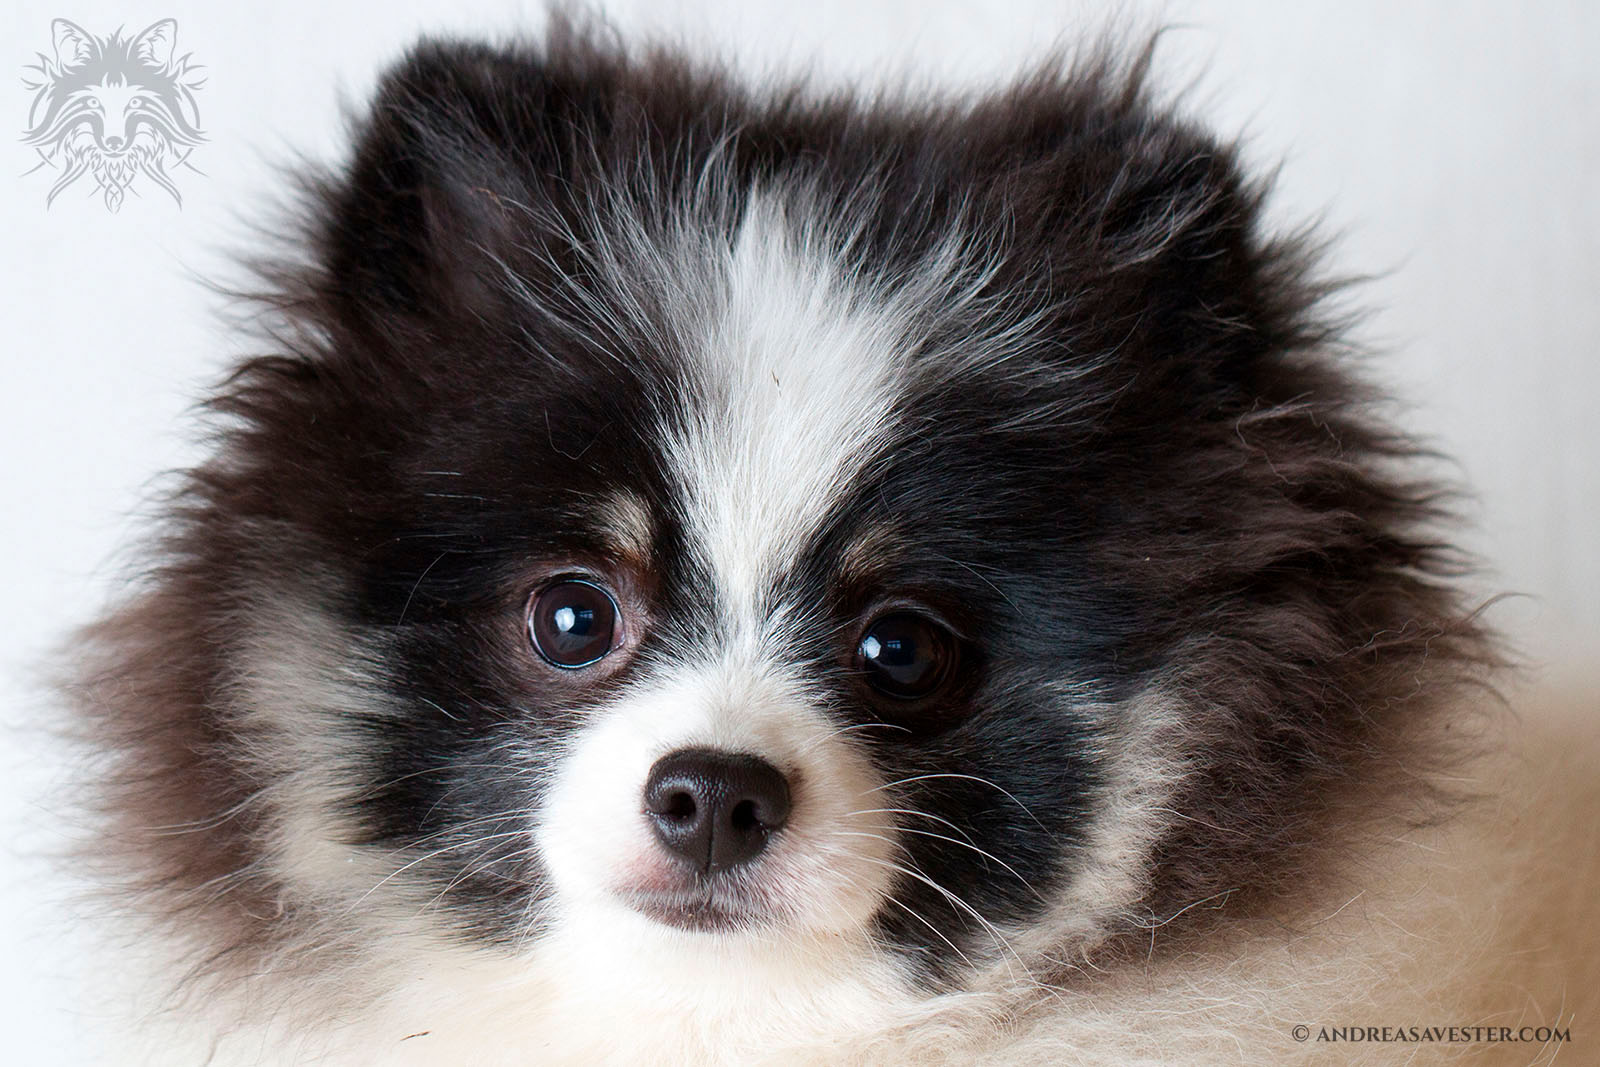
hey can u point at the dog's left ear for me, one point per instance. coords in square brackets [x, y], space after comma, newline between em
[1152, 233]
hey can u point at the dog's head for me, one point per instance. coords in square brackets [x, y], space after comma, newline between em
[921, 534]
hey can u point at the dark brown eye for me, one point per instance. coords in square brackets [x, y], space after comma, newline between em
[906, 656]
[573, 623]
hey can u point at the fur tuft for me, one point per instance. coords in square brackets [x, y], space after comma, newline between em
[765, 366]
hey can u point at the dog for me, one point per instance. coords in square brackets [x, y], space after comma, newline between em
[722, 575]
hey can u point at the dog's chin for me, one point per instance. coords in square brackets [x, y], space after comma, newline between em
[700, 904]
[704, 912]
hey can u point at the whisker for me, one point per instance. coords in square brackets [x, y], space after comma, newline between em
[444, 831]
[993, 931]
[891, 898]
[909, 811]
[965, 777]
[985, 854]
[816, 743]
[967, 841]
[428, 856]
[474, 869]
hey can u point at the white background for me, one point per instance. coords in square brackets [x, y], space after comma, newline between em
[1453, 147]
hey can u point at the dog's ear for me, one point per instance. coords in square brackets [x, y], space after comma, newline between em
[1152, 233]
[454, 163]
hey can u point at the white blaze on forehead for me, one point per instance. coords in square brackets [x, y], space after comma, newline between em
[797, 366]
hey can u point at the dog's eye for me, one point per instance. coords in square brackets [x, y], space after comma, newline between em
[573, 623]
[906, 656]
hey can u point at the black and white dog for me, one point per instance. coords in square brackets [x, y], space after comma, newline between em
[718, 576]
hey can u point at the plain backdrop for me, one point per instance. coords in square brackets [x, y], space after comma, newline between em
[1452, 148]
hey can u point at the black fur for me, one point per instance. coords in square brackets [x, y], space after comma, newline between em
[1176, 482]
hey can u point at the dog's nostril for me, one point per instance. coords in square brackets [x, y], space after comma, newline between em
[679, 806]
[714, 809]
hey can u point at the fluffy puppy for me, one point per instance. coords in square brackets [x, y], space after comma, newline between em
[718, 576]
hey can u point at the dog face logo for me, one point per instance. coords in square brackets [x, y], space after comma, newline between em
[114, 109]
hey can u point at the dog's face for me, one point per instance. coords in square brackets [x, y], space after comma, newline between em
[766, 613]
[927, 536]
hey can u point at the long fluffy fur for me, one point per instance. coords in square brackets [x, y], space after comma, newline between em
[1247, 629]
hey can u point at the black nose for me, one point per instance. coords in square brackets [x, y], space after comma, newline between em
[715, 809]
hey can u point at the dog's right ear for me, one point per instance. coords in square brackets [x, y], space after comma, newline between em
[459, 157]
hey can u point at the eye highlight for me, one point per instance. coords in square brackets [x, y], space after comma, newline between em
[906, 656]
[573, 623]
